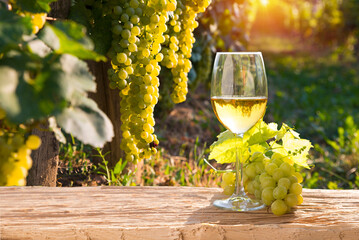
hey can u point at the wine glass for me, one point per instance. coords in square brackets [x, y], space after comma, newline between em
[239, 98]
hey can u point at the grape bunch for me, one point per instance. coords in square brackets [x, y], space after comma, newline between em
[137, 28]
[15, 158]
[273, 180]
[146, 34]
[179, 43]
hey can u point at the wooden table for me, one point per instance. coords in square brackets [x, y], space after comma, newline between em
[167, 213]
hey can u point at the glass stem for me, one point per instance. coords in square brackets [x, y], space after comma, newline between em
[239, 167]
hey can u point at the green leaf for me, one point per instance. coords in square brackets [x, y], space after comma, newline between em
[257, 148]
[34, 6]
[298, 148]
[12, 29]
[97, 26]
[76, 77]
[223, 136]
[85, 121]
[118, 168]
[8, 84]
[260, 133]
[69, 37]
[100, 34]
[224, 151]
[43, 86]
[37, 46]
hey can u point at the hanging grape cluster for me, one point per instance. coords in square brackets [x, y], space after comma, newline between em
[15, 160]
[147, 34]
[273, 181]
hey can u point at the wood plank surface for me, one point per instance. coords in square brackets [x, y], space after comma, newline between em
[167, 213]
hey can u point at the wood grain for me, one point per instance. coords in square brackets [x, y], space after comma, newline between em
[167, 213]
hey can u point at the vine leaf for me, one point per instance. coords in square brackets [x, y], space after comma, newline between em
[85, 121]
[12, 28]
[97, 26]
[35, 88]
[68, 37]
[34, 6]
[8, 84]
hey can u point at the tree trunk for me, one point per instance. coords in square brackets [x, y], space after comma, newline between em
[45, 160]
[108, 101]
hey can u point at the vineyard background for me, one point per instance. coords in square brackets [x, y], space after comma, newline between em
[311, 51]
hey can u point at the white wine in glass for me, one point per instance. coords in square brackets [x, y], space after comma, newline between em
[239, 99]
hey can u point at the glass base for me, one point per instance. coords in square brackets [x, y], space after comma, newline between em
[239, 203]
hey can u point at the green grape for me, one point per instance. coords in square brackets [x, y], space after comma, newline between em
[259, 167]
[125, 34]
[33, 142]
[134, 3]
[293, 179]
[263, 176]
[117, 10]
[135, 19]
[286, 168]
[270, 168]
[279, 207]
[130, 11]
[250, 170]
[300, 199]
[229, 178]
[124, 17]
[122, 74]
[285, 182]
[295, 188]
[278, 174]
[268, 182]
[132, 47]
[250, 187]
[298, 176]
[117, 29]
[227, 189]
[121, 57]
[291, 200]
[135, 31]
[267, 196]
[279, 192]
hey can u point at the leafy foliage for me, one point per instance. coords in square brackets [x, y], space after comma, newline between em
[69, 38]
[33, 6]
[39, 78]
[12, 28]
[263, 138]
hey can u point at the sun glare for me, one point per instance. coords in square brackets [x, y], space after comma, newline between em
[264, 2]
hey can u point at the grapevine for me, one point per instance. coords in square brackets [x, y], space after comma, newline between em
[45, 79]
[145, 35]
[271, 167]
